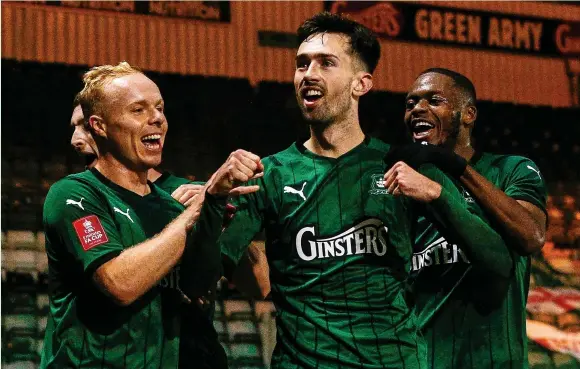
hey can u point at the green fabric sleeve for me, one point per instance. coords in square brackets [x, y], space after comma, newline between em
[247, 222]
[78, 222]
[525, 182]
[483, 246]
[201, 260]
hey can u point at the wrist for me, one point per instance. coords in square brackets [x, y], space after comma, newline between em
[434, 192]
[212, 190]
[215, 196]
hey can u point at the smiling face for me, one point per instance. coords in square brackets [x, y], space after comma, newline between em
[324, 76]
[82, 140]
[133, 121]
[435, 110]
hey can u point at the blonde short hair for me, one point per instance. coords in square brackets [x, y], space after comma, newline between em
[95, 80]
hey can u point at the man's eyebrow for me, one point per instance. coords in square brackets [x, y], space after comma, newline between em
[420, 92]
[316, 55]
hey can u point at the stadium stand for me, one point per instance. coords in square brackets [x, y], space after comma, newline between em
[264, 119]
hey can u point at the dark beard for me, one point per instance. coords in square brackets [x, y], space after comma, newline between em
[453, 131]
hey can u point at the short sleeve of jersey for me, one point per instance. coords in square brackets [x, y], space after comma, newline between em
[77, 221]
[246, 223]
[523, 181]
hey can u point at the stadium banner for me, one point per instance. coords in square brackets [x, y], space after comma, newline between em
[218, 11]
[416, 22]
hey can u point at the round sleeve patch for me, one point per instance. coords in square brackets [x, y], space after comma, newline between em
[90, 232]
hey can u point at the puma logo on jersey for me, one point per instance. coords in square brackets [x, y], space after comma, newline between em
[367, 237]
[77, 203]
[535, 170]
[300, 193]
[125, 214]
[467, 196]
[438, 252]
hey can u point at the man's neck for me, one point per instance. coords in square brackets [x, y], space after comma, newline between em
[464, 150]
[335, 139]
[116, 172]
[153, 175]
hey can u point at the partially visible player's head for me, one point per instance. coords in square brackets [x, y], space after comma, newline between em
[334, 66]
[125, 112]
[82, 140]
[440, 108]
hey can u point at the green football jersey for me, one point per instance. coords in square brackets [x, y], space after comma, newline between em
[169, 182]
[467, 318]
[199, 341]
[89, 220]
[339, 249]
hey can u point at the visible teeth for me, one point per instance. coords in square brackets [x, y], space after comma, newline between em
[151, 137]
[313, 93]
[424, 124]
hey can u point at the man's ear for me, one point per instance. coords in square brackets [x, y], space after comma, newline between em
[469, 116]
[98, 126]
[362, 83]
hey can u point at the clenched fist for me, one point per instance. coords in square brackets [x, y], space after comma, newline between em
[240, 167]
[401, 179]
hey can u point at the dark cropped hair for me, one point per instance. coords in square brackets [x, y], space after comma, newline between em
[363, 42]
[464, 83]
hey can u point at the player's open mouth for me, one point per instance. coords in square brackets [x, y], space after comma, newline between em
[421, 129]
[311, 96]
[152, 142]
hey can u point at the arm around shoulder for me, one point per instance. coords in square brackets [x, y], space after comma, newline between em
[517, 210]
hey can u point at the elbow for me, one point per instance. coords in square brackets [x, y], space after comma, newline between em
[538, 242]
[120, 293]
[122, 297]
[264, 292]
[533, 243]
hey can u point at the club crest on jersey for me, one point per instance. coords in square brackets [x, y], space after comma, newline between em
[378, 185]
[438, 252]
[90, 232]
[367, 237]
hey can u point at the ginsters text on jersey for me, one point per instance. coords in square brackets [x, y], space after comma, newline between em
[438, 252]
[367, 237]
